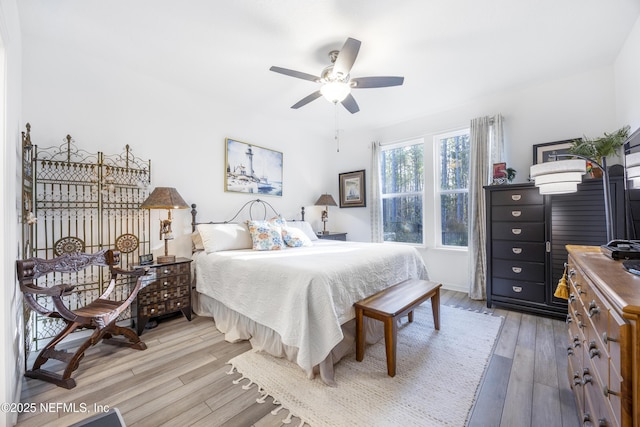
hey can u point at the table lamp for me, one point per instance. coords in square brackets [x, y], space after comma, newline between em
[165, 198]
[325, 200]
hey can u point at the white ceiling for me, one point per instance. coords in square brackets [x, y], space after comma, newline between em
[449, 51]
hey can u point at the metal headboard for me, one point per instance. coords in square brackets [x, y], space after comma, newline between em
[249, 206]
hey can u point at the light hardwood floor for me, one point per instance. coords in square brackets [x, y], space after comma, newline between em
[181, 380]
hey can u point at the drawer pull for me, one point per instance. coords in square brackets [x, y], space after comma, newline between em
[593, 350]
[569, 319]
[166, 271]
[576, 341]
[572, 297]
[165, 284]
[516, 270]
[587, 379]
[516, 251]
[593, 308]
[570, 351]
[606, 338]
[516, 213]
[166, 295]
[178, 304]
[576, 379]
[606, 391]
[516, 197]
[517, 288]
[153, 309]
[516, 231]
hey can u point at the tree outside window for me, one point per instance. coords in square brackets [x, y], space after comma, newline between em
[402, 182]
[454, 187]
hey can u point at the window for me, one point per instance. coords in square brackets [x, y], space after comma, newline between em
[402, 183]
[452, 188]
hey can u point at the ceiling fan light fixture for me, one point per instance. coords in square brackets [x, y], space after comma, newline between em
[335, 92]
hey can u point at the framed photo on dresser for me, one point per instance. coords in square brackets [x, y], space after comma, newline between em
[543, 153]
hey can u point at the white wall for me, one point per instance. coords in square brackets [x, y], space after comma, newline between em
[11, 353]
[627, 75]
[105, 106]
[566, 108]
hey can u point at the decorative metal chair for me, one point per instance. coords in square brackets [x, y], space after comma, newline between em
[101, 314]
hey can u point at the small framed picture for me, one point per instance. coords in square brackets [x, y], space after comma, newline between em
[146, 259]
[543, 153]
[352, 189]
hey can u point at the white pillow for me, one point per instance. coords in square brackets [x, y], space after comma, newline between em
[295, 238]
[224, 237]
[304, 226]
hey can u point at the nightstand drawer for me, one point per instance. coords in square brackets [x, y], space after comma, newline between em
[520, 231]
[171, 269]
[529, 291]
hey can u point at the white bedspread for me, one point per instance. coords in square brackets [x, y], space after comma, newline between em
[306, 293]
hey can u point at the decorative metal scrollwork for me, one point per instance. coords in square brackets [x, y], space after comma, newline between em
[127, 243]
[68, 245]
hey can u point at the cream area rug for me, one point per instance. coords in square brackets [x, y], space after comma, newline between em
[437, 376]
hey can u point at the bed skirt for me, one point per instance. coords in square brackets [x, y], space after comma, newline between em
[237, 327]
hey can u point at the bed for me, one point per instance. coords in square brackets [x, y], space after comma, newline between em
[293, 301]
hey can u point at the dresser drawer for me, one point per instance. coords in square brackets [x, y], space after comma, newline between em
[529, 291]
[527, 251]
[519, 231]
[151, 310]
[599, 409]
[534, 213]
[517, 197]
[172, 269]
[518, 270]
[618, 332]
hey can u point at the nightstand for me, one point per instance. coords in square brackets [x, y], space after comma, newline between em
[333, 236]
[166, 289]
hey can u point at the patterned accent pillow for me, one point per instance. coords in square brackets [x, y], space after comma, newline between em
[295, 238]
[266, 235]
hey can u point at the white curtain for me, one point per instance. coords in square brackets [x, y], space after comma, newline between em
[376, 200]
[487, 147]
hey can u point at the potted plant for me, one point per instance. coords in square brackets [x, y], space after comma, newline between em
[603, 146]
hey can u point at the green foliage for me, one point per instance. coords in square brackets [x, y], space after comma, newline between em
[603, 146]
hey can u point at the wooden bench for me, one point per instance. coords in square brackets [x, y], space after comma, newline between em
[387, 305]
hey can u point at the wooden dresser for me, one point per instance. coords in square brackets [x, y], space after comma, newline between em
[167, 290]
[604, 338]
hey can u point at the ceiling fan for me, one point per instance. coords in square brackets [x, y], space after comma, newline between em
[336, 80]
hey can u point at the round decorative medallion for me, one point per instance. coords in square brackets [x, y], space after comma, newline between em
[68, 245]
[127, 243]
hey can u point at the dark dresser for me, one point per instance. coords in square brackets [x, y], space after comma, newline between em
[516, 248]
[526, 238]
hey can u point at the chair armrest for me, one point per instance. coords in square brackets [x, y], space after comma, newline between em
[56, 290]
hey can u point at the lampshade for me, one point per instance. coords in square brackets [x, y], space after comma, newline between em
[335, 91]
[164, 198]
[558, 177]
[632, 168]
[326, 200]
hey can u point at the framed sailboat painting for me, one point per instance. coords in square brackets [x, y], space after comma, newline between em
[252, 169]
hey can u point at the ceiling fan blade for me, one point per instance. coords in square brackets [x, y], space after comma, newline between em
[350, 104]
[369, 82]
[346, 57]
[294, 73]
[307, 99]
